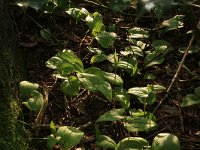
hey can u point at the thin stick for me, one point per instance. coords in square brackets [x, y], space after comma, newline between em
[176, 74]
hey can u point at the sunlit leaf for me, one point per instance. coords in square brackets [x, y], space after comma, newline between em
[137, 32]
[122, 96]
[77, 13]
[131, 143]
[141, 113]
[139, 91]
[106, 39]
[136, 124]
[95, 23]
[53, 62]
[110, 77]
[35, 101]
[189, 100]
[112, 115]
[94, 83]
[173, 23]
[71, 86]
[98, 58]
[105, 142]
[26, 88]
[166, 141]
[70, 136]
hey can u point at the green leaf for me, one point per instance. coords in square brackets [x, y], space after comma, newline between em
[71, 86]
[137, 32]
[165, 141]
[98, 58]
[110, 77]
[45, 33]
[139, 91]
[121, 95]
[70, 136]
[189, 100]
[51, 141]
[52, 127]
[77, 13]
[112, 115]
[106, 39]
[69, 57]
[105, 142]
[134, 50]
[95, 23]
[53, 62]
[65, 69]
[139, 124]
[197, 91]
[119, 5]
[26, 88]
[131, 143]
[173, 23]
[35, 101]
[94, 83]
[141, 113]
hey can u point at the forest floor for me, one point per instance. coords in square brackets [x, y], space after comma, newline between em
[87, 107]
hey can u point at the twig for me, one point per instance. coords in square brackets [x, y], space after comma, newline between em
[40, 114]
[176, 74]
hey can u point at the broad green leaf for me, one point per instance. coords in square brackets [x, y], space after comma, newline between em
[166, 141]
[26, 88]
[129, 64]
[95, 23]
[134, 50]
[97, 51]
[112, 115]
[190, 99]
[122, 96]
[94, 83]
[51, 141]
[155, 57]
[139, 91]
[131, 143]
[173, 23]
[45, 33]
[35, 101]
[137, 32]
[110, 77]
[71, 86]
[77, 13]
[106, 39]
[159, 88]
[136, 124]
[105, 142]
[53, 62]
[141, 113]
[98, 58]
[70, 136]
[148, 100]
[69, 57]
[119, 5]
[197, 91]
[65, 69]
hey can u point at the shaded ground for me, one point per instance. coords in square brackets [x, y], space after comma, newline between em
[87, 107]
